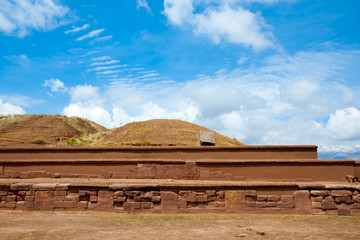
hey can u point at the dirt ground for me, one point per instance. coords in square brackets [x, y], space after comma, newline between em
[103, 225]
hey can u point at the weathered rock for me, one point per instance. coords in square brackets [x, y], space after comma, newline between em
[235, 201]
[206, 138]
[302, 202]
[169, 202]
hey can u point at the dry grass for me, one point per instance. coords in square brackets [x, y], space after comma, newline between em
[162, 132]
[101, 225]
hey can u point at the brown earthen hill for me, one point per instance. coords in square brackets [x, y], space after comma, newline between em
[161, 132]
[44, 130]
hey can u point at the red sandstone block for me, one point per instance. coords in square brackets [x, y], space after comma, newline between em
[92, 205]
[317, 199]
[191, 197]
[331, 212]
[72, 197]
[341, 193]
[119, 199]
[62, 186]
[2, 204]
[286, 198]
[182, 204]
[271, 204]
[316, 205]
[302, 202]
[328, 205]
[317, 211]
[30, 192]
[3, 193]
[21, 193]
[210, 192]
[20, 198]
[58, 204]
[329, 199]
[118, 193]
[261, 198]
[273, 198]
[190, 168]
[261, 204]
[204, 174]
[29, 198]
[202, 198]
[356, 199]
[344, 209]
[145, 205]
[44, 186]
[82, 205]
[59, 198]
[10, 204]
[105, 200]
[156, 199]
[20, 186]
[60, 193]
[211, 198]
[11, 198]
[169, 202]
[251, 193]
[286, 204]
[356, 206]
[251, 204]
[44, 200]
[29, 205]
[20, 205]
[93, 198]
[69, 204]
[343, 199]
[320, 192]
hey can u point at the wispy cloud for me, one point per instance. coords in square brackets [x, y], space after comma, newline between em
[91, 34]
[55, 85]
[143, 4]
[100, 39]
[109, 72]
[104, 63]
[77, 29]
[103, 58]
[106, 67]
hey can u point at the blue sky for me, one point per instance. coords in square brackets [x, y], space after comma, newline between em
[261, 71]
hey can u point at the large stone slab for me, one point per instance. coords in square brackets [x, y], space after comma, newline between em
[235, 201]
[169, 202]
[206, 138]
[105, 200]
[302, 202]
[44, 200]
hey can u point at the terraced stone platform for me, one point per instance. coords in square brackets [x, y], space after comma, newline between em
[252, 179]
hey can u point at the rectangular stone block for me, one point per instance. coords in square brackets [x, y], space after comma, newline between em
[60, 193]
[118, 193]
[190, 168]
[356, 206]
[356, 198]
[29, 198]
[261, 204]
[93, 198]
[119, 199]
[317, 199]
[341, 193]
[44, 200]
[44, 186]
[302, 202]
[251, 193]
[204, 174]
[261, 198]
[169, 202]
[156, 199]
[82, 205]
[320, 193]
[344, 210]
[105, 200]
[29, 205]
[191, 196]
[11, 198]
[286, 204]
[346, 199]
[286, 198]
[210, 192]
[3, 193]
[235, 201]
[20, 186]
[58, 204]
[20, 205]
[201, 199]
[273, 198]
[69, 204]
[145, 205]
[316, 205]
[328, 205]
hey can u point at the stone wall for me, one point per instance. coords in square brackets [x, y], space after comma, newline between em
[151, 198]
[235, 170]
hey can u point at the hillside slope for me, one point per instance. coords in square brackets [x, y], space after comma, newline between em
[25, 130]
[161, 132]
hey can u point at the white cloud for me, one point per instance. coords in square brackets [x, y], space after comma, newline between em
[104, 63]
[20, 17]
[100, 39]
[77, 29]
[143, 4]
[55, 85]
[91, 34]
[345, 124]
[220, 20]
[7, 108]
[106, 67]
[103, 58]
[85, 93]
